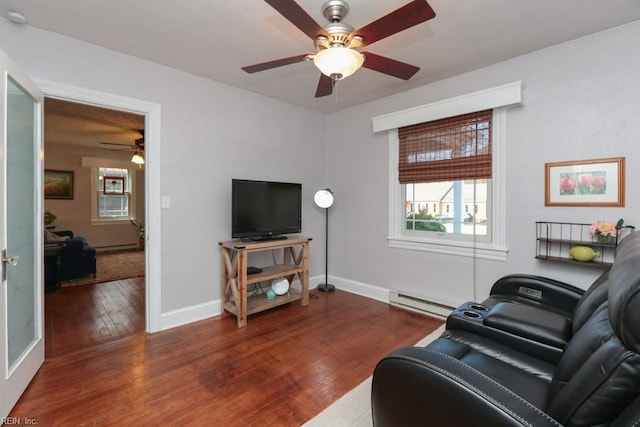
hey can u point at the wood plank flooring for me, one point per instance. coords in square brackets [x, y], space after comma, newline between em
[78, 317]
[286, 366]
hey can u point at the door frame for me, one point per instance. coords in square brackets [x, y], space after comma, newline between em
[153, 238]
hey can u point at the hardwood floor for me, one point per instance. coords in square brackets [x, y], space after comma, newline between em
[78, 317]
[287, 365]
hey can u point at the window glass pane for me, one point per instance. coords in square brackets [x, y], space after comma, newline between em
[445, 207]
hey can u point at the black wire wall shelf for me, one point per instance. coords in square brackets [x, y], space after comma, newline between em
[554, 240]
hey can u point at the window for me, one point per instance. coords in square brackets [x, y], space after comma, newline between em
[110, 205]
[118, 202]
[491, 245]
[448, 163]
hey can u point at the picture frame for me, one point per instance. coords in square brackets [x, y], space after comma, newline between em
[58, 184]
[113, 185]
[596, 182]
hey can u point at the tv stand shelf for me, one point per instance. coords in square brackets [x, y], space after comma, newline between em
[234, 281]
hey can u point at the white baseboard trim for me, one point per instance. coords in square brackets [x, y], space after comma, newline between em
[183, 316]
[358, 288]
[190, 314]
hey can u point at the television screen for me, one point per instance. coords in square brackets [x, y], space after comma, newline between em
[265, 210]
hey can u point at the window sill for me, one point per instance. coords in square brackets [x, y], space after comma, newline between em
[448, 247]
[111, 221]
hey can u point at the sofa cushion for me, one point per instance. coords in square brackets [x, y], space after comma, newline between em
[528, 377]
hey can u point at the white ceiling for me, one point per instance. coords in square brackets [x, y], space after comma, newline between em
[214, 38]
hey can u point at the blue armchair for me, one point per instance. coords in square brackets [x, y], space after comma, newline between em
[78, 258]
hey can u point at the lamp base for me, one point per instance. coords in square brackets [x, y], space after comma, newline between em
[325, 287]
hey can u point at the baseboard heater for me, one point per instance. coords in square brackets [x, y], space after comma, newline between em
[418, 303]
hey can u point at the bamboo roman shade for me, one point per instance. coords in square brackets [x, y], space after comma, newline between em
[451, 149]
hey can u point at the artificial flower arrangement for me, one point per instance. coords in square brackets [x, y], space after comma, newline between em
[605, 231]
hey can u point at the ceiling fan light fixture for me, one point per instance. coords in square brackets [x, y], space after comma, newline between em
[338, 62]
[137, 159]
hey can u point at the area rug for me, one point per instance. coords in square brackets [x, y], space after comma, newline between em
[354, 408]
[112, 266]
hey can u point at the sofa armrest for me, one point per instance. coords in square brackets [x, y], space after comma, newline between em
[533, 330]
[539, 290]
[415, 386]
[74, 246]
[68, 233]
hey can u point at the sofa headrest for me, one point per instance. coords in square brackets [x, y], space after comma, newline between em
[624, 293]
[631, 239]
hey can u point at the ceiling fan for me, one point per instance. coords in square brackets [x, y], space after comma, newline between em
[336, 43]
[137, 147]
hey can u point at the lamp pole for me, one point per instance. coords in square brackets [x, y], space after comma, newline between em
[324, 199]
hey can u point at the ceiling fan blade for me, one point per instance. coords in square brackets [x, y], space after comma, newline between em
[325, 86]
[389, 66]
[407, 16]
[298, 17]
[274, 64]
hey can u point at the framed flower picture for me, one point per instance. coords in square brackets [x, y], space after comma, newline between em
[597, 182]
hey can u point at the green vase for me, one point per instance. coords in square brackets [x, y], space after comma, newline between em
[605, 239]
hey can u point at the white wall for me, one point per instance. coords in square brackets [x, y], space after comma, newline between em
[582, 101]
[211, 133]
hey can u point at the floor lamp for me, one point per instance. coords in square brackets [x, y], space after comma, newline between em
[324, 199]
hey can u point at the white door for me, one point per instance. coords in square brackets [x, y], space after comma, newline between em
[21, 296]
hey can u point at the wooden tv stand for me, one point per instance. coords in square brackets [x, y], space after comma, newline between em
[234, 281]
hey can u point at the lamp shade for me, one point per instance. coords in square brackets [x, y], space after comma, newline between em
[137, 159]
[323, 198]
[338, 62]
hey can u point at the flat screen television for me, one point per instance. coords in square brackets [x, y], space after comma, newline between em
[262, 210]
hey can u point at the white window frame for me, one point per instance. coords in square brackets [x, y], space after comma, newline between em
[498, 99]
[95, 164]
[128, 192]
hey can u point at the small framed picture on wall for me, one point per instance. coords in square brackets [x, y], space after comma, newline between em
[58, 184]
[113, 186]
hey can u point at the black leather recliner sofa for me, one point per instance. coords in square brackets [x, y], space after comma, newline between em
[537, 352]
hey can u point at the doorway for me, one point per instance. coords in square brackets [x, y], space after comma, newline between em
[94, 146]
[152, 240]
